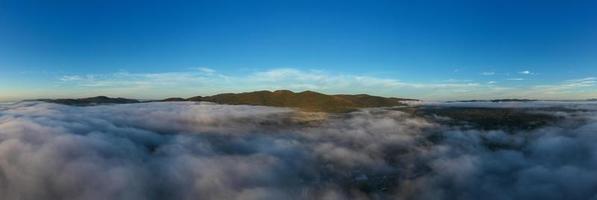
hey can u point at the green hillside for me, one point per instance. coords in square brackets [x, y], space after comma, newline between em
[306, 101]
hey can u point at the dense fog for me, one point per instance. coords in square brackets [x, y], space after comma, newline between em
[209, 151]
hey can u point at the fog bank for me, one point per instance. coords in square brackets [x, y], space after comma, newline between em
[209, 151]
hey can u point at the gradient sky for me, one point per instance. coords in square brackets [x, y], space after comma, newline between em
[439, 50]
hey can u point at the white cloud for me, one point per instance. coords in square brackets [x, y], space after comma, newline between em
[525, 72]
[452, 80]
[288, 73]
[488, 73]
[206, 70]
[71, 78]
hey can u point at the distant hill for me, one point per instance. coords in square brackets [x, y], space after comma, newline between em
[495, 100]
[91, 101]
[487, 118]
[173, 99]
[512, 100]
[306, 101]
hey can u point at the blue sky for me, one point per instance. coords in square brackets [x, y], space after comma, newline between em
[439, 50]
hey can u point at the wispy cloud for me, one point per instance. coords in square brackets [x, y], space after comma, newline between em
[488, 73]
[71, 78]
[582, 88]
[206, 81]
[526, 72]
[583, 82]
[209, 80]
[206, 70]
[569, 85]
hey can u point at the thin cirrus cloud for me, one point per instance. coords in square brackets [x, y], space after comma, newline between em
[526, 72]
[207, 81]
[491, 73]
[211, 81]
[570, 87]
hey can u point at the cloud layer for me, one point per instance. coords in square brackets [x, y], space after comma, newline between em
[208, 151]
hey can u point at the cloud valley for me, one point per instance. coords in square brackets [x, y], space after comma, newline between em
[210, 151]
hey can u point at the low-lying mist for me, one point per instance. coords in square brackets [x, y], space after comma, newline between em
[209, 151]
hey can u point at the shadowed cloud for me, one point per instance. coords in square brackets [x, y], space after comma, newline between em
[210, 151]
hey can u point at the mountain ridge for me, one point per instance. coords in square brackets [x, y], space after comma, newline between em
[306, 100]
[89, 101]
